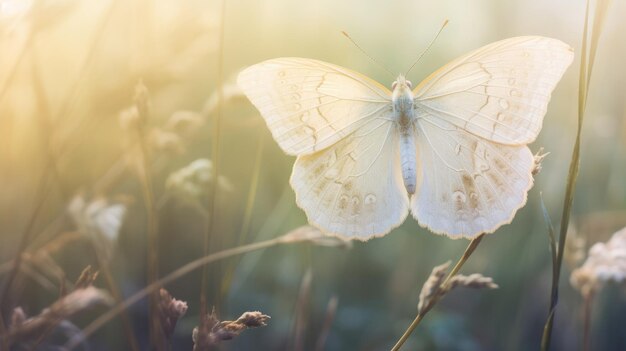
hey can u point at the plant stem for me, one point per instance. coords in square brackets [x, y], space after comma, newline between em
[587, 321]
[215, 156]
[420, 315]
[586, 67]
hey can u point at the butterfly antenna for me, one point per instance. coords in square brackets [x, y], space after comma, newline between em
[366, 54]
[445, 23]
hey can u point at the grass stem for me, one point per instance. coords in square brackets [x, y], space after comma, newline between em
[420, 315]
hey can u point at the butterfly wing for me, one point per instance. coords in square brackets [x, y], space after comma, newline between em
[499, 92]
[309, 105]
[354, 188]
[347, 176]
[469, 185]
[474, 119]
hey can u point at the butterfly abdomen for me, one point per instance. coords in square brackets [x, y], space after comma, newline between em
[408, 159]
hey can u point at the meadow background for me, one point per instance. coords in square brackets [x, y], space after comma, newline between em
[69, 69]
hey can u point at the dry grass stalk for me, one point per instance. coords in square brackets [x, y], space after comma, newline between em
[25, 329]
[286, 239]
[331, 311]
[433, 298]
[302, 311]
[314, 236]
[211, 331]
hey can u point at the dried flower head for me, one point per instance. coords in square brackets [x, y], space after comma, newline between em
[183, 122]
[539, 156]
[436, 286]
[100, 219]
[170, 311]
[129, 119]
[86, 278]
[211, 331]
[166, 141]
[24, 329]
[432, 285]
[474, 281]
[606, 263]
[192, 182]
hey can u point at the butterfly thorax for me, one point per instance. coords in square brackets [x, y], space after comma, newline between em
[402, 101]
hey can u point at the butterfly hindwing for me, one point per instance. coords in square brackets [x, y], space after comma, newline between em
[354, 188]
[499, 92]
[470, 185]
[308, 104]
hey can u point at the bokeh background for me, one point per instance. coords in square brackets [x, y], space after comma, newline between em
[69, 69]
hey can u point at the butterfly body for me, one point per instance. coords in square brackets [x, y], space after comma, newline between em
[452, 151]
[402, 101]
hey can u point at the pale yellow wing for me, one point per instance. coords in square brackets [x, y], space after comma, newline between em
[309, 105]
[354, 188]
[469, 185]
[499, 92]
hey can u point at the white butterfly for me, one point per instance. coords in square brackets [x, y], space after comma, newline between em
[452, 150]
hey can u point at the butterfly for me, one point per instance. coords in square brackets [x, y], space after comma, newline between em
[452, 151]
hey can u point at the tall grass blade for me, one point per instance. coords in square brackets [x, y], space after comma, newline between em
[586, 67]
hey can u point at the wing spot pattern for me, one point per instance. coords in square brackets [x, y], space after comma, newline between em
[504, 104]
[370, 199]
[356, 205]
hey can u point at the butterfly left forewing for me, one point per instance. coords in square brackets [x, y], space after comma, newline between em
[354, 188]
[469, 185]
[309, 105]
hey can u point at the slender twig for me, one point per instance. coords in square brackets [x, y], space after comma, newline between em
[420, 315]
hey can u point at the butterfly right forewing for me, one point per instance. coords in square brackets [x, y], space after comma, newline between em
[499, 92]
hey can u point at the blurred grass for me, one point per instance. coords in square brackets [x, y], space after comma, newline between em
[172, 47]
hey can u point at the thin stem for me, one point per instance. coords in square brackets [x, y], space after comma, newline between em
[420, 315]
[586, 66]
[156, 285]
[247, 217]
[145, 179]
[116, 294]
[587, 321]
[215, 156]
